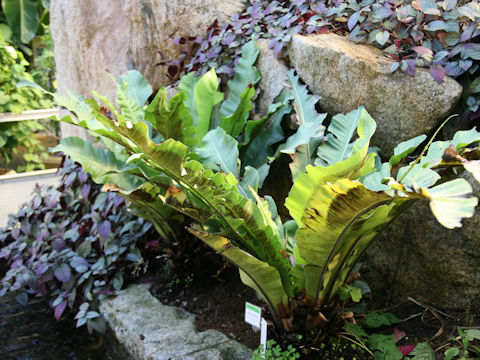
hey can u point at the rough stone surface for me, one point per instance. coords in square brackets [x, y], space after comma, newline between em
[92, 37]
[273, 72]
[347, 75]
[415, 256]
[152, 331]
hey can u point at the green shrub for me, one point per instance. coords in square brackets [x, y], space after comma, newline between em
[12, 99]
[342, 198]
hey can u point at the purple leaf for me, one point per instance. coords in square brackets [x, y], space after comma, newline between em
[229, 39]
[37, 201]
[82, 176]
[452, 69]
[25, 228]
[417, 35]
[104, 228]
[53, 199]
[59, 309]
[211, 53]
[79, 264]
[15, 233]
[46, 277]
[422, 50]
[411, 67]
[4, 253]
[58, 244]
[450, 4]
[70, 179]
[41, 236]
[63, 273]
[353, 20]
[472, 51]
[278, 46]
[41, 268]
[465, 64]
[320, 8]
[406, 349]
[86, 191]
[117, 201]
[467, 34]
[269, 9]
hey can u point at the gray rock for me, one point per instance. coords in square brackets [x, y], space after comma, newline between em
[274, 76]
[415, 256]
[150, 330]
[347, 75]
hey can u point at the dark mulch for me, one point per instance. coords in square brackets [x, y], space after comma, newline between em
[219, 302]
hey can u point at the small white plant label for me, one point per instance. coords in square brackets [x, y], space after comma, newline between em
[253, 314]
[263, 333]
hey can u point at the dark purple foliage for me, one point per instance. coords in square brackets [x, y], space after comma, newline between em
[56, 245]
[104, 228]
[59, 309]
[63, 273]
[417, 33]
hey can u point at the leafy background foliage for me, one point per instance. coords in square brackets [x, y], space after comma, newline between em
[74, 245]
[12, 99]
[25, 52]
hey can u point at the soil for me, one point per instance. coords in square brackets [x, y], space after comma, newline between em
[218, 301]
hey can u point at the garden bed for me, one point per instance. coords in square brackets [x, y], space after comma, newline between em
[218, 302]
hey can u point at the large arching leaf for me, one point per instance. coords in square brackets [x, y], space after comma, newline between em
[235, 123]
[246, 75]
[262, 134]
[404, 149]
[358, 165]
[171, 119]
[101, 164]
[451, 202]
[303, 143]
[187, 85]
[22, 17]
[206, 97]
[257, 274]
[137, 88]
[330, 210]
[341, 130]
[219, 152]
[149, 205]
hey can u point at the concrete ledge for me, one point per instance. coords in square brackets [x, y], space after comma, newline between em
[17, 189]
[149, 330]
